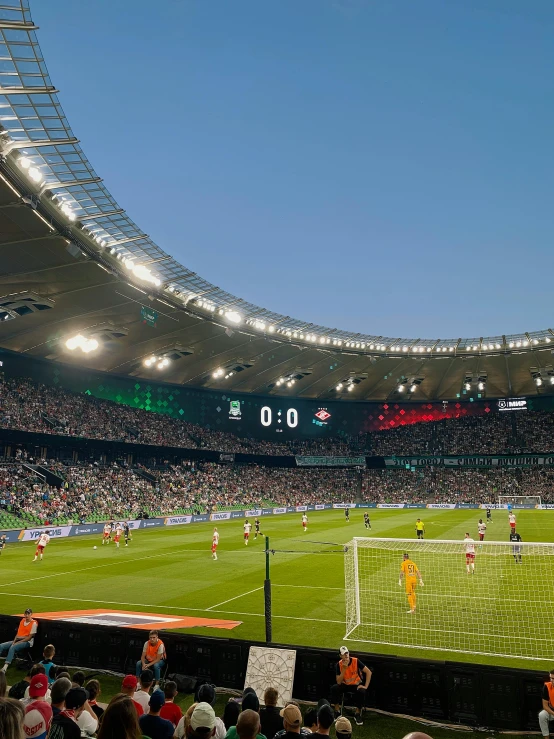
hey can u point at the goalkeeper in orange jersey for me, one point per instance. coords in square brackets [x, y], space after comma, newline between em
[410, 574]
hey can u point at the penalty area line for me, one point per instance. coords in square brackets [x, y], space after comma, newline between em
[235, 598]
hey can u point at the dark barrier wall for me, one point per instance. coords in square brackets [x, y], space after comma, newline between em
[478, 695]
[212, 408]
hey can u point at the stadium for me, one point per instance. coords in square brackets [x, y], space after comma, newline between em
[143, 408]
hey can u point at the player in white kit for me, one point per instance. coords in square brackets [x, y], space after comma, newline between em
[482, 529]
[107, 533]
[247, 526]
[470, 554]
[304, 522]
[43, 540]
[215, 542]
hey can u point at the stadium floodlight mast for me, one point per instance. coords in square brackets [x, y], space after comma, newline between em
[497, 611]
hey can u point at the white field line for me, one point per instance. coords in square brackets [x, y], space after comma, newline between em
[169, 608]
[255, 590]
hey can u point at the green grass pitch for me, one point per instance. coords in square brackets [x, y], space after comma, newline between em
[170, 570]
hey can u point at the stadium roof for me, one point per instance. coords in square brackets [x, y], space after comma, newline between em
[74, 264]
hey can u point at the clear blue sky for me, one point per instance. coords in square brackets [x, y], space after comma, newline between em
[373, 165]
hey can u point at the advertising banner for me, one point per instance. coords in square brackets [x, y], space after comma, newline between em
[150, 523]
[441, 505]
[88, 528]
[521, 460]
[344, 505]
[279, 510]
[330, 461]
[55, 532]
[253, 513]
[301, 508]
[415, 505]
[319, 507]
[391, 505]
[177, 520]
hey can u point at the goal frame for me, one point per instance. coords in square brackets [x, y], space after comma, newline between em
[507, 500]
[352, 590]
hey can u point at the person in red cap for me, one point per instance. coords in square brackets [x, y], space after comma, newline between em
[128, 686]
[38, 690]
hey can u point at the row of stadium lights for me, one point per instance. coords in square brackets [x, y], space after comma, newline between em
[144, 274]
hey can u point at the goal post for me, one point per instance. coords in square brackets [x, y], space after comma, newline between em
[499, 610]
[519, 500]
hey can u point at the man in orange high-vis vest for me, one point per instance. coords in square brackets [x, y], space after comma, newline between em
[353, 678]
[153, 655]
[23, 639]
[547, 713]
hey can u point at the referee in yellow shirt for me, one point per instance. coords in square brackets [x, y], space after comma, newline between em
[420, 528]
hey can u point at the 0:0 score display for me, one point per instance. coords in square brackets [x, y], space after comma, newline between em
[267, 419]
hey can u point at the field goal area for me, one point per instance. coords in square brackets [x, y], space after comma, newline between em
[500, 610]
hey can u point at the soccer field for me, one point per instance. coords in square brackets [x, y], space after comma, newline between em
[170, 571]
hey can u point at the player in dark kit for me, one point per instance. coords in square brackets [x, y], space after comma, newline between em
[516, 549]
[2, 542]
[257, 528]
[489, 515]
[367, 522]
[127, 533]
[347, 514]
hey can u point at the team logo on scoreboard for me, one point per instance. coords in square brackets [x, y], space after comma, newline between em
[323, 415]
[234, 409]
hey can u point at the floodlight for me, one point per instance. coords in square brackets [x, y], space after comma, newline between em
[481, 386]
[24, 162]
[35, 174]
[339, 387]
[233, 316]
[350, 387]
[467, 386]
[413, 388]
[538, 381]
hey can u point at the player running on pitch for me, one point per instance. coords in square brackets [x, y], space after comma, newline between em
[367, 522]
[470, 554]
[410, 574]
[127, 533]
[247, 528]
[512, 520]
[515, 538]
[347, 515]
[304, 522]
[489, 515]
[43, 540]
[420, 528]
[107, 533]
[215, 542]
[2, 542]
[257, 528]
[482, 529]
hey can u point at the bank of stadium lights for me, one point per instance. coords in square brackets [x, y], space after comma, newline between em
[220, 372]
[140, 271]
[33, 173]
[158, 362]
[81, 342]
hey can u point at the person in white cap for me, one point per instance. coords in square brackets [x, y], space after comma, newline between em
[202, 722]
[352, 677]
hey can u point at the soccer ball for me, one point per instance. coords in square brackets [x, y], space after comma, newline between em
[94, 547]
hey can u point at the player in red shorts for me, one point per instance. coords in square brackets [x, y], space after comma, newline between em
[43, 540]
[512, 520]
[482, 529]
[304, 522]
[117, 536]
[247, 526]
[107, 533]
[215, 542]
[470, 554]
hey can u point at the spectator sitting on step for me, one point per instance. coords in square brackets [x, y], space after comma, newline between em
[38, 688]
[270, 719]
[325, 719]
[49, 666]
[152, 724]
[38, 718]
[201, 722]
[129, 687]
[120, 720]
[248, 724]
[64, 723]
[206, 694]
[292, 720]
[310, 720]
[343, 728]
[170, 710]
[12, 716]
[60, 689]
[231, 714]
[93, 690]
[184, 724]
[142, 694]
[78, 679]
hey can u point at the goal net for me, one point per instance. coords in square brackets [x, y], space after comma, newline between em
[499, 610]
[519, 500]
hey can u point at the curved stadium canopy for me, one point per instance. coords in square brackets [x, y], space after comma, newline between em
[73, 263]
